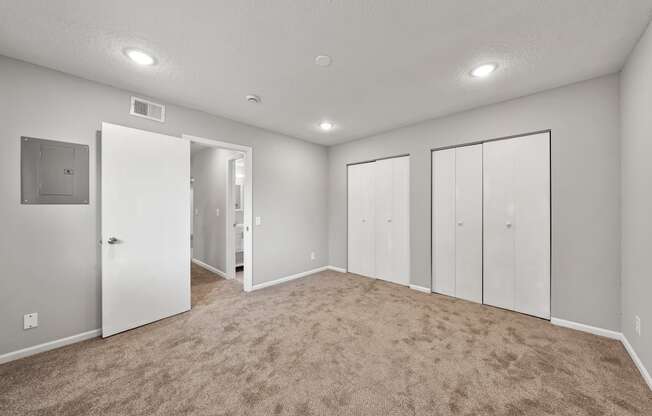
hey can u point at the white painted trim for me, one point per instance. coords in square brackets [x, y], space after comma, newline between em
[217, 143]
[637, 361]
[248, 202]
[230, 218]
[609, 334]
[288, 278]
[47, 346]
[210, 268]
[586, 328]
[336, 269]
[421, 288]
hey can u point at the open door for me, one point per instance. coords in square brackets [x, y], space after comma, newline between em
[145, 227]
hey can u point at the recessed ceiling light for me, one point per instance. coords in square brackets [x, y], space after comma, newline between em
[253, 98]
[483, 70]
[326, 125]
[140, 57]
[323, 60]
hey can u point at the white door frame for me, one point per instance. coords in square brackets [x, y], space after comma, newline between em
[230, 217]
[192, 216]
[248, 206]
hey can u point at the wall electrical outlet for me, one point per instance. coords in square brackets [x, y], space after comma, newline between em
[257, 220]
[637, 325]
[312, 256]
[30, 320]
[217, 212]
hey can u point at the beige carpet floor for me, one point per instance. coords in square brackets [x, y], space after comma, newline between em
[330, 344]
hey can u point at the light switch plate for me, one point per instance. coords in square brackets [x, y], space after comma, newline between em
[217, 212]
[257, 220]
[312, 256]
[30, 320]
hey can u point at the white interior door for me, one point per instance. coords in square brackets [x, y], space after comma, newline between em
[361, 240]
[517, 224]
[498, 223]
[443, 221]
[468, 228]
[145, 227]
[400, 224]
[383, 198]
[532, 225]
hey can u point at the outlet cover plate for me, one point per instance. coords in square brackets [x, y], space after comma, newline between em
[30, 320]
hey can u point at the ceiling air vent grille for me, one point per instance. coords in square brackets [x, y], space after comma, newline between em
[147, 109]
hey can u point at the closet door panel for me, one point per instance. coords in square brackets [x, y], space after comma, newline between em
[498, 221]
[400, 225]
[443, 221]
[468, 212]
[532, 225]
[361, 248]
[383, 195]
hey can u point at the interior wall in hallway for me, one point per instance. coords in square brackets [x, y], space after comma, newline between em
[208, 169]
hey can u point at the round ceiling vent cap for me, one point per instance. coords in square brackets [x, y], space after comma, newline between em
[253, 98]
[323, 60]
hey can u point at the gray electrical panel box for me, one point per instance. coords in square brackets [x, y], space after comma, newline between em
[53, 172]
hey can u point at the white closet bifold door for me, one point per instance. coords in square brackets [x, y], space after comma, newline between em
[517, 224]
[532, 225]
[498, 221]
[400, 221]
[468, 220]
[443, 221]
[384, 172]
[392, 196]
[361, 240]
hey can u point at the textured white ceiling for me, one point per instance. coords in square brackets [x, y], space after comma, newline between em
[395, 62]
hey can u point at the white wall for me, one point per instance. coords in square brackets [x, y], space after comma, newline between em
[585, 152]
[49, 253]
[208, 168]
[636, 127]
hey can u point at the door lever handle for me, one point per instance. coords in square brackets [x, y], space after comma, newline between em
[112, 240]
[508, 225]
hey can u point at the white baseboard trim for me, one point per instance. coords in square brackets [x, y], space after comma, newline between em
[609, 334]
[637, 361]
[288, 278]
[47, 346]
[210, 268]
[421, 288]
[336, 269]
[586, 328]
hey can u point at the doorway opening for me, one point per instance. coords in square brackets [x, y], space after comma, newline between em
[221, 236]
[235, 205]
